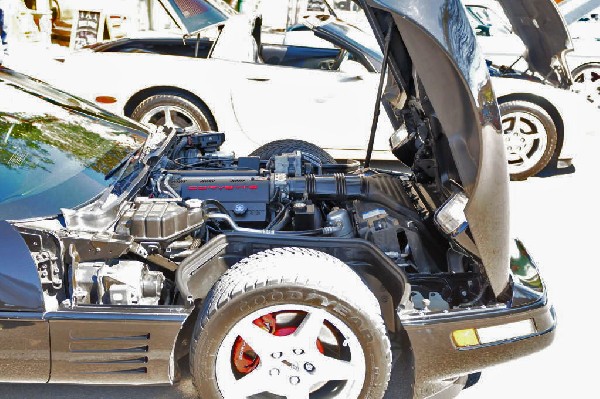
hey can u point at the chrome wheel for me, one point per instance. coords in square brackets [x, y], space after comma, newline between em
[588, 80]
[169, 115]
[526, 140]
[291, 351]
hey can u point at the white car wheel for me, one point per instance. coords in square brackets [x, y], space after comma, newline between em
[530, 138]
[174, 111]
[588, 77]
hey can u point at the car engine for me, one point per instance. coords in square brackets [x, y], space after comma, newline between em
[195, 193]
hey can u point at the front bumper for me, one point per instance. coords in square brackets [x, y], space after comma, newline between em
[438, 363]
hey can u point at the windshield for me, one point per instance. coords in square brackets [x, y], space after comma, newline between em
[196, 15]
[55, 149]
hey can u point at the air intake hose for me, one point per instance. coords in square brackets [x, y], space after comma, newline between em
[342, 187]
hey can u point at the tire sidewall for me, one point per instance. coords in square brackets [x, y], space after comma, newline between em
[279, 147]
[219, 324]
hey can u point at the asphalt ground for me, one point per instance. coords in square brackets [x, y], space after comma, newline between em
[557, 217]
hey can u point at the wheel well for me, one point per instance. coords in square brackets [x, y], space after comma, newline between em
[197, 274]
[583, 66]
[547, 106]
[140, 96]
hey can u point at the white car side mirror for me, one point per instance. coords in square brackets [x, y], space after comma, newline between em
[353, 68]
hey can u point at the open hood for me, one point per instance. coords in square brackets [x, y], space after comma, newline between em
[195, 15]
[542, 29]
[436, 63]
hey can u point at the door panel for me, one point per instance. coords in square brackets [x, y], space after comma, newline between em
[329, 108]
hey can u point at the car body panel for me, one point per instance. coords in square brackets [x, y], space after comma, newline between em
[20, 287]
[114, 345]
[24, 347]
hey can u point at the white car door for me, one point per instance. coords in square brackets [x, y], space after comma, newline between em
[332, 109]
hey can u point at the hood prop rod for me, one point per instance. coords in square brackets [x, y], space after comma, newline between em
[377, 112]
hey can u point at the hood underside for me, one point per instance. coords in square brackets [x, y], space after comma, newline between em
[434, 50]
[542, 29]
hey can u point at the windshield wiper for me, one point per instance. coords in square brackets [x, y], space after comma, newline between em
[377, 112]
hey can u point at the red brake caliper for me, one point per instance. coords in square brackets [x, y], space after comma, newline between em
[245, 359]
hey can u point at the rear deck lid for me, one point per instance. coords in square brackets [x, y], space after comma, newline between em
[195, 15]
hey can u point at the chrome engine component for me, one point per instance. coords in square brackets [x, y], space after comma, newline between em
[340, 218]
[123, 282]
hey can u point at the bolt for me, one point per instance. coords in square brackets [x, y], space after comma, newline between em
[274, 372]
[276, 355]
[309, 367]
[298, 351]
[294, 380]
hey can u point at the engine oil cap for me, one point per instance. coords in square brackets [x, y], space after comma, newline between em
[240, 209]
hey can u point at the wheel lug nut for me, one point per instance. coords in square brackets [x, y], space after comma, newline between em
[274, 372]
[276, 355]
[294, 380]
[298, 351]
[309, 367]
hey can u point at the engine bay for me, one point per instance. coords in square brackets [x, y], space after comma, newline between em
[196, 193]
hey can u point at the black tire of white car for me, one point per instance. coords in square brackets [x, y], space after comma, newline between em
[530, 138]
[290, 321]
[184, 111]
[312, 152]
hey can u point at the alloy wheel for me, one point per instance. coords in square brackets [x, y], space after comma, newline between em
[525, 138]
[169, 115]
[290, 351]
[589, 82]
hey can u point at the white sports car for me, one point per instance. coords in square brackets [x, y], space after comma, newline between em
[237, 84]
[251, 90]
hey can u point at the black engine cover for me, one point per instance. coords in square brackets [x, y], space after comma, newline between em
[245, 197]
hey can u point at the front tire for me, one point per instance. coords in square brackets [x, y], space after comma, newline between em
[290, 322]
[174, 110]
[530, 138]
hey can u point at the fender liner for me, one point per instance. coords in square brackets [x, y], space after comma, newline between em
[200, 271]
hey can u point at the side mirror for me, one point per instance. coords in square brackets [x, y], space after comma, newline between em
[353, 68]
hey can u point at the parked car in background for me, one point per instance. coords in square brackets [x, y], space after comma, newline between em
[237, 82]
[273, 276]
[584, 26]
[506, 47]
[323, 74]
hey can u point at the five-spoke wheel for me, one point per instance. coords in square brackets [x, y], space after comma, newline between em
[290, 323]
[174, 110]
[530, 138]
